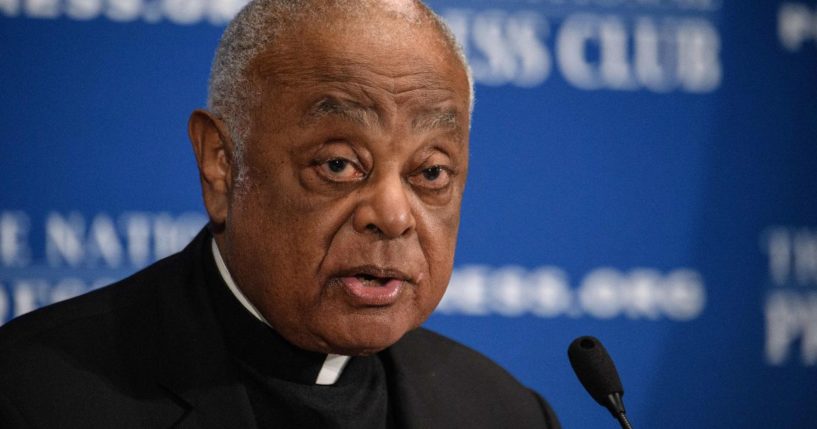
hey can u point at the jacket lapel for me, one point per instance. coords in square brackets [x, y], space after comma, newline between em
[217, 407]
[416, 391]
[195, 368]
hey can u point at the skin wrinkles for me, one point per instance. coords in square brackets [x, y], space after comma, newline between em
[275, 68]
[272, 67]
[344, 109]
[358, 93]
[425, 119]
[362, 173]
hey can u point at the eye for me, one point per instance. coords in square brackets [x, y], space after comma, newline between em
[337, 165]
[435, 178]
[432, 173]
[339, 170]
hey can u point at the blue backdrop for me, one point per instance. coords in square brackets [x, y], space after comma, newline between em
[642, 170]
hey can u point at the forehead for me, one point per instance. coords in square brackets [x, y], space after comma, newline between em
[384, 53]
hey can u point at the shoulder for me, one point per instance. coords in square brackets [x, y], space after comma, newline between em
[109, 322]
[90, 314]
[112, 321]
[432, 351]
[443, 371]
[86, 359]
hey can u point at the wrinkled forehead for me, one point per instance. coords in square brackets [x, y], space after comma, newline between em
[334, 31]
[412, 56]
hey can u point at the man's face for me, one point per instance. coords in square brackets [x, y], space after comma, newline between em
[343, 227]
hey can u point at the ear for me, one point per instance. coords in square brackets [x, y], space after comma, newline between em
[214, 155]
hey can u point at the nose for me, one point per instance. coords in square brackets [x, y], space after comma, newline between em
[385, 208]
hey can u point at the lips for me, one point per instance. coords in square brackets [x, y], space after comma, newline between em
[373, 286]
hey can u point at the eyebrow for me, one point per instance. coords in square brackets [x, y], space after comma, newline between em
[426, 120]
[437, 119]
[344, 109]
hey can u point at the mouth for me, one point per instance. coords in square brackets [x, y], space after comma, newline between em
[372, 286]
[372, 281]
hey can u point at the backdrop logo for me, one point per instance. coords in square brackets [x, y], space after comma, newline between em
[796, 25]
[591, 51]
[604, 293]
[182, 12]
[791, 303]
[79, 253]
[658, 46]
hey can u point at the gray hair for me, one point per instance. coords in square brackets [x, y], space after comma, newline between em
[232, 94]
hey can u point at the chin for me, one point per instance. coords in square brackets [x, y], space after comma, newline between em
[368, 336]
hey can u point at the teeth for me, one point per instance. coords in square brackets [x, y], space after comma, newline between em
[372, 279]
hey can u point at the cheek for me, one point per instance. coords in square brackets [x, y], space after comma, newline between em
[441, 223]
[284, 232]
[296, 219]
[437, 233]
[280, 240]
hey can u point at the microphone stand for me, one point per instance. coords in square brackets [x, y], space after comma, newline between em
[616, 406]
[597, 373]
[622, 419]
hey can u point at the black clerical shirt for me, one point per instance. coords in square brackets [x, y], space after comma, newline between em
[280, 378]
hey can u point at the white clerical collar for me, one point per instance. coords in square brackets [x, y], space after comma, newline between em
[332, 366]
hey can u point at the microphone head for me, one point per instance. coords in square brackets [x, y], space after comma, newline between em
[595, 369]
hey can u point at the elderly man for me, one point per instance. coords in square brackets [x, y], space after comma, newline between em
[332, 158]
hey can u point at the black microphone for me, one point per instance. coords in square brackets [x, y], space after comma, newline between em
[598, 375]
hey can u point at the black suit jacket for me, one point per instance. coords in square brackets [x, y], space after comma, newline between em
[143, 353]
